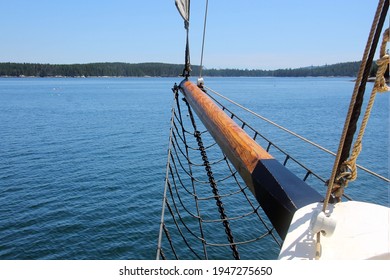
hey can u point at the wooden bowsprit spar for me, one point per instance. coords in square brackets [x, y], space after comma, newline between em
[279, 192]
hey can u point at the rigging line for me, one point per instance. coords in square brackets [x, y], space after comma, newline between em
[172, 196]
[269, 121]
[361, 75]
[182, 140]
[191, 147]
[187, 70]
[213, 185]
[163, 255]
[292, 133]
[190, 133]
[201, 199]
[270, 143]
[181, 124]
[181, 202]
[181, 219]
[240, 242]
[201, 182]
[221, 195]
[167, 185]
[255, 209]
[203, 40]
[180, 231]
[379, 86]
[360, 86]
[180, 181]
[232, 218]
[165, 188]
[188, 173]
[179, 177]
[173, 178]
[194, 195]
[188, 158]
[170, 244]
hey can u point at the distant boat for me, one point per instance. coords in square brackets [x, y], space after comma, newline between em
[308, 224]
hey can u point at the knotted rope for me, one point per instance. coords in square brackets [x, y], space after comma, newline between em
[349, 166]
[336, 186]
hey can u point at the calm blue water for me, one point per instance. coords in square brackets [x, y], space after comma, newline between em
[82, 161]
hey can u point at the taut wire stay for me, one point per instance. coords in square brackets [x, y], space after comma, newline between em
[200, 80]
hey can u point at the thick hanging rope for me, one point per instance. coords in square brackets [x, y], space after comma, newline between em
[373, 38]
[337, 182]
[379, 86]
[183, 6]
[358, 102]
[187, 67]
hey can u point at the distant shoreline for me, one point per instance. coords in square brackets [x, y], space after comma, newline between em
[118, 69]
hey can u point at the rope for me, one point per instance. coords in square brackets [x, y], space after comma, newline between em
[349, 166]
[257, 133]
[337, 187]
[180, 232]
[166, 183]
[333, 185]
[267, 120]
[187, 68]
[184, 10]
[203, 40]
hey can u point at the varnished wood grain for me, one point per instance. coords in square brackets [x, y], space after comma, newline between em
[239, 147]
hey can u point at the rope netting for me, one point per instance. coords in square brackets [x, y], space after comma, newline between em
[209, 212]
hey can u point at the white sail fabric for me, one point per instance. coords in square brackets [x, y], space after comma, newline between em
[183, 7]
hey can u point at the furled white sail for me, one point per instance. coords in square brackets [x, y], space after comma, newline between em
[183, 7]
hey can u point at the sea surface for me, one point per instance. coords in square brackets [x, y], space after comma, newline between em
[82, 160]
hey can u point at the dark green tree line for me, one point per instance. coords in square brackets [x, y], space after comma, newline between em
[118, 69]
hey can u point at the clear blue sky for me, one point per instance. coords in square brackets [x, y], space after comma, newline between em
[261, 34]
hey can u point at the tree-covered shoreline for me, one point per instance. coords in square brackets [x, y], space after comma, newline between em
[119, 69]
